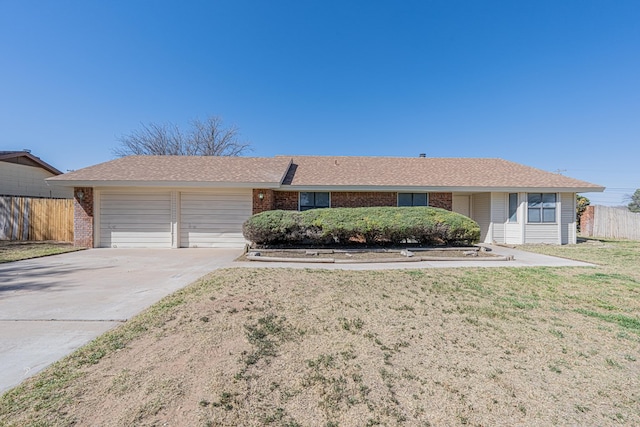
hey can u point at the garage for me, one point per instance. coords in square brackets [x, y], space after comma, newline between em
[214, 219]
[134, 219]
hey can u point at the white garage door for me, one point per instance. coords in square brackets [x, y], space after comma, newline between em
[214, 220]
[135, 220]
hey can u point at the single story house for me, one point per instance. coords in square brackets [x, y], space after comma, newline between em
[23, 174]
[183, 201]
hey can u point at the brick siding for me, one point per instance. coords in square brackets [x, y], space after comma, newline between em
[586, 221]
[267, 203]
[355, 199]
[441, 200]
[83, 218]
[286, 200]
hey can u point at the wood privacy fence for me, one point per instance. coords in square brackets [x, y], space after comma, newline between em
[27, 218]
[608, 222]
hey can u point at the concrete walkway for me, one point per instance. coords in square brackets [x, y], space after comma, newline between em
[51, 306]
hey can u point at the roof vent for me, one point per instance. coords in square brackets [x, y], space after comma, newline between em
[423, 155]
[26, 150]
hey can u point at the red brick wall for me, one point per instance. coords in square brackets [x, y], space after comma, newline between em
[83, 217]
[286, 200]
[267, 203]
[441, 200]
[586, 221]
[356, 199]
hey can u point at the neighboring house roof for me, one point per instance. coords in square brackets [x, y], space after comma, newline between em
[180, 171]
[27, 159]
[325, 173]
[457, 174]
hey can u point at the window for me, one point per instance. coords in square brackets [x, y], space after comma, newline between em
[312, 200]
[541, 207]
[412, 199]
[513, 207]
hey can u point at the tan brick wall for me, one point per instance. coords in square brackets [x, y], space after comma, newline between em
[441, 200]
[355, 199]
[83, 217]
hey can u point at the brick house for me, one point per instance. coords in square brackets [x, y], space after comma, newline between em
[180, 201]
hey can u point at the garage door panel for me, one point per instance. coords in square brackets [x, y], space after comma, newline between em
[134, 196]
[149, 209]
[114, 221]
[133, 237]
[135, 219]
[142, 226]
[233, 217]
[214, 220]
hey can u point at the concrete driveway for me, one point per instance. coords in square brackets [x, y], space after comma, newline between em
[51, 306]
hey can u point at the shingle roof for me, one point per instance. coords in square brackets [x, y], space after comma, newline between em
[340, 172]
[181, 169]
[424, 172]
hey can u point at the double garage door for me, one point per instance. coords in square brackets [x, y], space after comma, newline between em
[165, 219]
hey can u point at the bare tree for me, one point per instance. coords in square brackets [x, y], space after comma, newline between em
[205, 138]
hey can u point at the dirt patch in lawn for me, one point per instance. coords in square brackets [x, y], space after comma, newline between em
[285, 347]
[19, 250]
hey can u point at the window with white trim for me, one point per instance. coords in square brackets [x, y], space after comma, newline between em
[541, 207]
[513, 207]
[313, 200]
[413, 199]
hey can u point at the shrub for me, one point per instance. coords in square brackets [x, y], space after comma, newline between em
[378, 225]
[273, 227]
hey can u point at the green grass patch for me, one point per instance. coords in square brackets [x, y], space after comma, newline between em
[627, 322]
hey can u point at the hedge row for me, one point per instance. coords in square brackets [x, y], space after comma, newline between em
[378, 225]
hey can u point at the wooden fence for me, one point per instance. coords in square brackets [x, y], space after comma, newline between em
[608, 222]
[27, 218]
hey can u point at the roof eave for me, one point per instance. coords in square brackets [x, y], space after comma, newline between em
[44, 165]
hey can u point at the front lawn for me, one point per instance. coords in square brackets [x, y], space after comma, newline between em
[16, 251]
[285, 347]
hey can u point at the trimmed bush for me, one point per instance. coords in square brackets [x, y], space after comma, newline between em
[371, 226]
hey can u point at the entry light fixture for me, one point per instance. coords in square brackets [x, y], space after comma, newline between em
[80, 194]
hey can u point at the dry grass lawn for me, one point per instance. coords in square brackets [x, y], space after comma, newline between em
[271, 347]
[18, 250]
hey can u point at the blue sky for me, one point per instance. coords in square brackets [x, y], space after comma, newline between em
[550, 84]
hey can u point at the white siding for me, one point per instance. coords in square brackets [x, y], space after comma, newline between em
[513, 233]
[541, 233]
[499, 208]
[568, 218]
[23, 180]
[544, 232]
[214, 219]
[461, 204]
[135, 219]
[481, 208]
